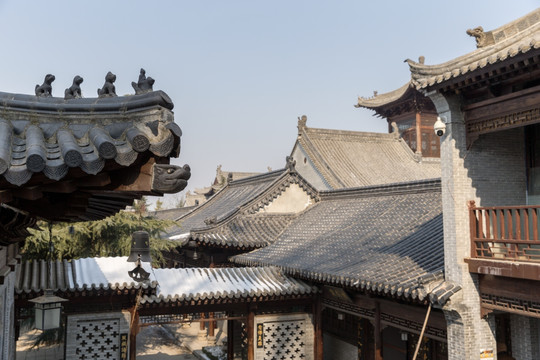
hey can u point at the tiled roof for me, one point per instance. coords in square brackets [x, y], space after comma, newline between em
[203, 283]
[384, 99]
[225, 202]
[518, 37]
[171, 214]
[166, 284]
[248, 231]
[386, 240]
[77, 275]
[49, 136]
[348, 159]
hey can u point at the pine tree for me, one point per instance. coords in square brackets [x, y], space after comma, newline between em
[108, 237]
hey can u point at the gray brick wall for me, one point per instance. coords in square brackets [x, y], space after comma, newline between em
[7, 318]
[524, 332]
[462, 180]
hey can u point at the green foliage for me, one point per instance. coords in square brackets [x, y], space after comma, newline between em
[159, 205]
[107, 237]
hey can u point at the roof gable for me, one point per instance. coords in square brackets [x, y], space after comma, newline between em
[347, 159]
[259, 221]
[224, 203]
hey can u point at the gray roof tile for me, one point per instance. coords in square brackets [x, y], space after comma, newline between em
[517, 37]
[348, 159]
[382, 239]
[51, 135]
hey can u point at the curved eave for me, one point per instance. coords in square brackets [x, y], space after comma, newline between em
[22, 102]
[385, 99]
[424, 76]
[435, 289]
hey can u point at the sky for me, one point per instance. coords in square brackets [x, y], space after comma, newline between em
[240, 73]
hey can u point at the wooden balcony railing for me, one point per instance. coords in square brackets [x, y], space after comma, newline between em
[504, 233]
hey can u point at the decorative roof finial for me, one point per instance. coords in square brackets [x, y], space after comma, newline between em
[45, 90]
[74, 91]
[144, 84]
[375, 93]
[482, 38]
[290, 163]
[421, 59]
[108, 88]
[301, 123]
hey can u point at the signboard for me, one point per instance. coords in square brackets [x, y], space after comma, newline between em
[260, 335]
[123, 346]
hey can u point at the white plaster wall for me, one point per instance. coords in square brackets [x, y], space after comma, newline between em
[304, 166]
[293, 200]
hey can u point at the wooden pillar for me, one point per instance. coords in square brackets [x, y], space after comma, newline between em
[133, 331]
[418, 133]
[230, 339]
[202, 324]
[250, 329]
[378, 332]
[317, 328]
[211, 324]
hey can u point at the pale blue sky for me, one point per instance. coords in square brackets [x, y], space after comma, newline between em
[241, 72]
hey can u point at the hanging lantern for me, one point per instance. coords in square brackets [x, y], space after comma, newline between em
[48, 310]
[140, 247]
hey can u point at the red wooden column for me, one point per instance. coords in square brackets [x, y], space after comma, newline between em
[202, 324]
[211, 324]
[133, 331]
[230, 339]
[250, 329]
[317, 328]
[419, 133]
[378, 332]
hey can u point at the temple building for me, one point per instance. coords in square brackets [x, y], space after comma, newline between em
[487, 101]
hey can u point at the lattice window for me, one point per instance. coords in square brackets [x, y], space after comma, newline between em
[98, 340]
[284, 340]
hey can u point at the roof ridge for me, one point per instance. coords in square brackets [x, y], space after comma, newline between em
[261, 198]
[258, 177]
[416, 186]
[492, 47]
[352, 133]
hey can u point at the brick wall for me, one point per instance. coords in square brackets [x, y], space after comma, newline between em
[468, 174]
[524, 332]
[7, 318]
